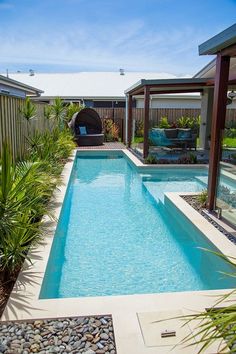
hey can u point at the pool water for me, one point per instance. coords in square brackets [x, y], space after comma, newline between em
[116, 236]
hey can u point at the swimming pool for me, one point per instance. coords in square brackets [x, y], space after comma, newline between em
[116, 236]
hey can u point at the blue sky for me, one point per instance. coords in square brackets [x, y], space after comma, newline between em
[105, 35]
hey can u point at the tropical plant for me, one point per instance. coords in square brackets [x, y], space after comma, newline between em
[47, 112]
[188, 159]
[25, 189]
[58, 112]
[139, 126]
[111, 130]
[52, 147]
[184, 122]
[151, 159]
[164, 124]
[202, 198]
[71, 109]
[28, 112]
[217, 323]
[189, 122]
[15, 246]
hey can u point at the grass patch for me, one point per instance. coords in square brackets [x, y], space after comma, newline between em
[138, 139]
[229, 142]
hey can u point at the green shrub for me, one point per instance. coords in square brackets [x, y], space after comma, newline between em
[189, 122]
[25, 190]
[111, 130]
[28, 112]
[151, 159]
[230, 133]
[139, 126]
[58, 112]
[202, 198]
[71, 109]
[217, 324]
[164, 123]
[188, 159]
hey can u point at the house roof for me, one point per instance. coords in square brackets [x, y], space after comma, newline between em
[86, 85]
[219, 42]
[7, 82]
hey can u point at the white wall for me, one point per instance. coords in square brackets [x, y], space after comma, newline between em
[171, 103]
[176, 103]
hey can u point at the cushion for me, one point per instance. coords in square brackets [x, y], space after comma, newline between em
[82, 130]
[184, 134]
[171, 133]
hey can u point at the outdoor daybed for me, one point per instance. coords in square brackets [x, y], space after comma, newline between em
[87, 127]
[173, 138]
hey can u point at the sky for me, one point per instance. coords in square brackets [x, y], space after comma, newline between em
[105, 35]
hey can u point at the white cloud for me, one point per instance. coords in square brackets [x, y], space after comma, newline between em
[127, 45]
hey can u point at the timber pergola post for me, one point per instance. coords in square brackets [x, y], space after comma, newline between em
[224, 46]
[146, 120]
[218, 122]
[130, 119]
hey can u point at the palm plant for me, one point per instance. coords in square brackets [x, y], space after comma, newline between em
[24, 192]
[47, 111]
[72, 108]
[215, 324]
[58, 112]
[15, 246]
[53, 147]
[28, 111]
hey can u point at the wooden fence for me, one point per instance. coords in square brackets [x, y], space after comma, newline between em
[14, 128]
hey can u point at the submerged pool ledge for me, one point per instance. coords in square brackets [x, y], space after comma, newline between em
[209, 231]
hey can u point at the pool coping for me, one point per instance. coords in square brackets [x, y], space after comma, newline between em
[24, 303]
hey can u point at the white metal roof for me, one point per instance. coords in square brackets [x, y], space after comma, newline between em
[86, 84]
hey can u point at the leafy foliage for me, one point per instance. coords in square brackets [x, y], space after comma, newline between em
[28, 110]
[139, 126]
[164, 124]
[47, 112]
[151, 159]
[71, 109]
[202, 198]
[58, 112]
[25, 190]
[188, 122]
[217, 323]
[188, 159]
[111, 130]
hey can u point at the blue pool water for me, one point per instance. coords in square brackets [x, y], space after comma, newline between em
[116, 235]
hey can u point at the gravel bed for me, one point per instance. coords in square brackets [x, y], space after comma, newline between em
[192, 200]
[77, 335]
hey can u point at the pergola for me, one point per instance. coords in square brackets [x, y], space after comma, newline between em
[147, 88]
[223, 79]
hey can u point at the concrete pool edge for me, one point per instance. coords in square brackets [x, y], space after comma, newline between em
[217, 238]
[24, 302]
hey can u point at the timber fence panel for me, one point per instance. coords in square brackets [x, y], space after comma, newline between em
[14, 129]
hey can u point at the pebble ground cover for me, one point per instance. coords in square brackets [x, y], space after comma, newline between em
[77, 335]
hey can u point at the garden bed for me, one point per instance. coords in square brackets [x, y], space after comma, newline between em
[195, 203]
